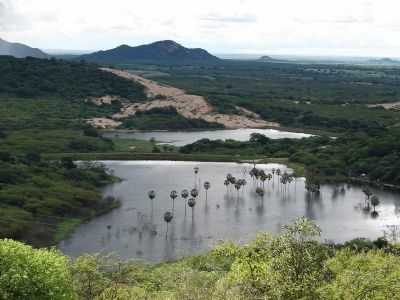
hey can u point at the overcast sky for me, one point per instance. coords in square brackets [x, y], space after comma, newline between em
[314, 27]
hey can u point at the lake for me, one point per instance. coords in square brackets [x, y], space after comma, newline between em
[181, 138]
[137, 229]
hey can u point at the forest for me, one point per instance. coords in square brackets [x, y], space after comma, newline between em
[53, 78]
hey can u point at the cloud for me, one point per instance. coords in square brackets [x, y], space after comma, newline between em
[10, 20]
[247, 18]
[336, 20]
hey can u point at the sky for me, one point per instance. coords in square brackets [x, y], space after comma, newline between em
[308, 27]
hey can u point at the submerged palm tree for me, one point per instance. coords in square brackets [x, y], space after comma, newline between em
[196, 171]
[278, 173]
[269, 176]
[152, 195]
[194, 193]
[375, 201]
[184, 195]
[168, 216]
[263, 177]
[226, 183]
[238, 185]
[242, 182]
[260, 192]
[368, 194]
[192, 203]
[173, 196]
[207, 185]
[273, 175]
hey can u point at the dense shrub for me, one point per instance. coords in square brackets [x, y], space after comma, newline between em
[26, 273]
[372, 275]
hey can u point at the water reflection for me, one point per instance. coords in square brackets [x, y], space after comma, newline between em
[137, 229]
[181, 138]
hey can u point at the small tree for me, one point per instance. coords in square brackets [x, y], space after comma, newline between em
[91, 131]
[33, 157]
[68, 163]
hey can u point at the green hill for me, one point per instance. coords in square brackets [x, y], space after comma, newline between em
[34, 78]
[164, 51]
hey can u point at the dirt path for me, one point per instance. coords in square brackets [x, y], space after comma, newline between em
[189, 106]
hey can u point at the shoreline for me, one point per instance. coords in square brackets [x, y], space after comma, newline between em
[277, 128]
[299, 169]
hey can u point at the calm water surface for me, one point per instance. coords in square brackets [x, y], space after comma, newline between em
[181, 138]
[137, 230]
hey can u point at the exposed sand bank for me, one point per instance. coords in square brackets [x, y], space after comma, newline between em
[189, 106]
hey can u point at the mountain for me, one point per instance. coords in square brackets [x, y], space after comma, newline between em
[265, 58]
[384, 61]
[20, 50]
[167, 51]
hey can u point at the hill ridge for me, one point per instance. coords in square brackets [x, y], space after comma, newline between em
[164, 50]
[20, 50]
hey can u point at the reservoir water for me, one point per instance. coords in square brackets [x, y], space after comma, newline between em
[137, 230]
[181, 138]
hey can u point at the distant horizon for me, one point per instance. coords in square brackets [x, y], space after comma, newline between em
[232, 55]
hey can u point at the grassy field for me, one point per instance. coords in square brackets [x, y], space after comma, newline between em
[134, 146]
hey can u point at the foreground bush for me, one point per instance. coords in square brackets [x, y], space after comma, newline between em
[27, 273]
[372, 275]
[290, 266]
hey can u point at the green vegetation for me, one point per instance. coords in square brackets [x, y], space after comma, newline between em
[331, 97]
[42, 201]
[35, 274]
[290, 266]
[53, 141]
[43, 104]
[133, 146]
[35, 78]
[351, 155]
[165, 119]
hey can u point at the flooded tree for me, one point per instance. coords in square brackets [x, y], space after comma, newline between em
[375, 201]
[185, 195]
[192, 203]
[173, 196]
[207, 185]
[168, 216]
[194, 193]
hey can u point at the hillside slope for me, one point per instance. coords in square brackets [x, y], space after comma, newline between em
[33, 78]
[168, 51]
[20, 50]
